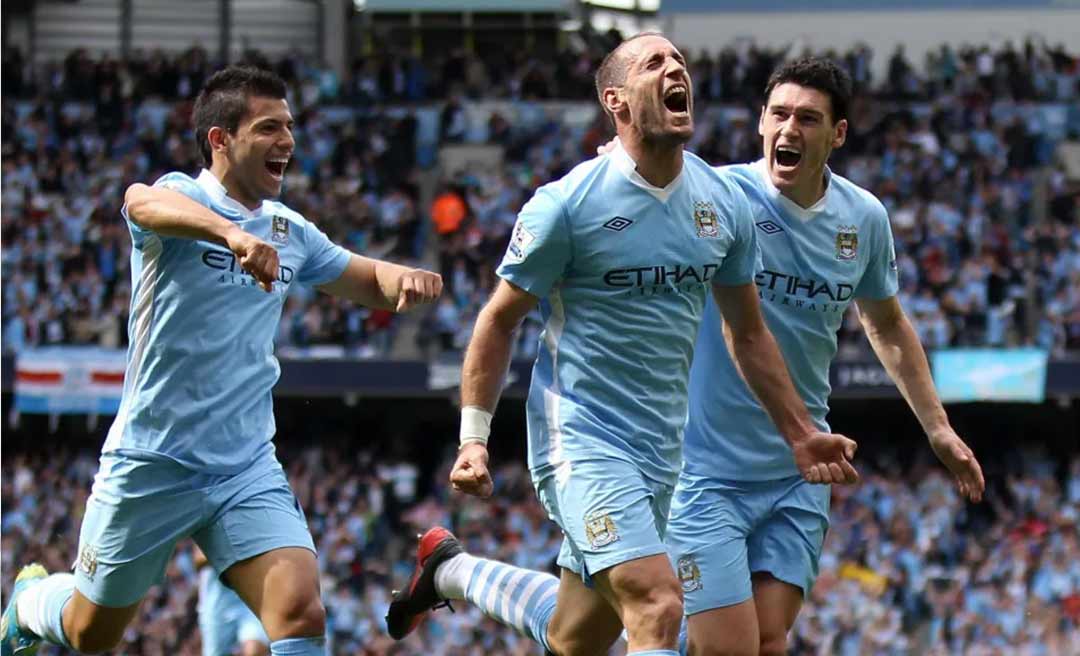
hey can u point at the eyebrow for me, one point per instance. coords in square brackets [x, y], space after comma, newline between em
[797, 110]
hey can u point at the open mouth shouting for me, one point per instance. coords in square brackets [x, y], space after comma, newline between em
[787, 158]
[677, 99]
[276, 167]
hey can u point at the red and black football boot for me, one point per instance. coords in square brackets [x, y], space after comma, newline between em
[409, 606]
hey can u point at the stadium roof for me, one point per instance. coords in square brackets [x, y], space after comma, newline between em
[455, 6]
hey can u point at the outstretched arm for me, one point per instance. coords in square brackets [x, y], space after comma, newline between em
[897, 345]
[821, 457]
[385, 285]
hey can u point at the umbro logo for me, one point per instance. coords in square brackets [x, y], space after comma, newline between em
[769, 227]
[618, 224]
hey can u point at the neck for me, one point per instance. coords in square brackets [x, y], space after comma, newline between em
[807, 195]
[233, 188]
[658, 163]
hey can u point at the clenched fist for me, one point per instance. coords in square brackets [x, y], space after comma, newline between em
[470, 473]
[418, 287]
[255, 256]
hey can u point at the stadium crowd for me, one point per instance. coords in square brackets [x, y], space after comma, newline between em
[908, 567]
[955, 150]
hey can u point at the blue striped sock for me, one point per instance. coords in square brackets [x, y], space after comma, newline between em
[522, 599]
[653, 652]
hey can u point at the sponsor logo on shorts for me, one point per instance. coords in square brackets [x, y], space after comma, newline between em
[600, 530]
[689, 574]
[88, 559]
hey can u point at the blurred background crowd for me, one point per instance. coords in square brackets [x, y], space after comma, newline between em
[908, 567]
[973, 152]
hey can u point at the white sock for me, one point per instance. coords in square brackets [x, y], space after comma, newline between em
[453, 576]
[40, 607]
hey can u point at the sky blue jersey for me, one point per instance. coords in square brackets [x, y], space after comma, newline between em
[814, 263]
[200, 364]
[622, 269]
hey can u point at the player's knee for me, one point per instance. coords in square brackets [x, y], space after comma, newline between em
[719, 646]
[90, 638]
[304, 616]
[773, 644]
[653, 611]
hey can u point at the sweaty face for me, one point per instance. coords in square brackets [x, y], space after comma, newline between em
[658, 91]
[799, 134]
[261, 149]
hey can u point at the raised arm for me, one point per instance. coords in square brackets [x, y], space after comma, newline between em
[820, 457]
[172, 214]
[897, 345]
[385, 285]
[486, 361]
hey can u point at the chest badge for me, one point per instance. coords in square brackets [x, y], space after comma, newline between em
[847, 242]
[705, 219]
[279, 230]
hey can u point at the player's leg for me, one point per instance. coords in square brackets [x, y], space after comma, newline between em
[783, 552]
[584, 623]
[259, 538]
[778, 604]
[706, 538]
[125, 543]
[250, 634]
[615, 520]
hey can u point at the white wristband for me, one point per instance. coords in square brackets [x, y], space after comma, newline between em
[475, 425]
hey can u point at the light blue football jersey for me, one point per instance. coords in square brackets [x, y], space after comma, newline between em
[622, 270]
[200, 364]
[814, 263]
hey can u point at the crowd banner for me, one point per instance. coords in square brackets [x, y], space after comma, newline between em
[69, 380]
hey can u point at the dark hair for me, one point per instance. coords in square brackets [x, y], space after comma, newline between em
[223, 101]
[816, 73]
[612, 70]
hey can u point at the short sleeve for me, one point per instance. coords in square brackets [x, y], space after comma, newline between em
[324, 261]
[879, 281]
[743, 260]
[539, 249]
[177, 182]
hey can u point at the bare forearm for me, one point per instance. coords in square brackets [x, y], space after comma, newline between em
[900, 352]
[388, 280]
[486, 362]
[172, 214]
[765, 372]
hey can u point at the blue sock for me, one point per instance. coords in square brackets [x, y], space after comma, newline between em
[520, 598]
[653, 652]
[40, 608]
[684, 638]
[299, 647]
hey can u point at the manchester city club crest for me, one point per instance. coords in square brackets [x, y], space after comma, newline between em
[847, 242]
[600, 530]
[689, 573]
[279, 230]
[705, 219]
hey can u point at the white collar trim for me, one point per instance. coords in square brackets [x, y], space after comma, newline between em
[628, 167]
[803, 214]
[217, 192]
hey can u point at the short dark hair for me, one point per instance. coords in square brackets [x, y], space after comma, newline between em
[613, 67]
[223, 101]
[816, 73]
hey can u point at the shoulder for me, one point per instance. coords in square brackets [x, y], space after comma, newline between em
[178, 181]
[860, 202]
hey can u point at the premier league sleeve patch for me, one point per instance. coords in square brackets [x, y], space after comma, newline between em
[520, 241]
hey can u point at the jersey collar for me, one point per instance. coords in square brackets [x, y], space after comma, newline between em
[628, 167]
[803, 214]
[213, 188]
